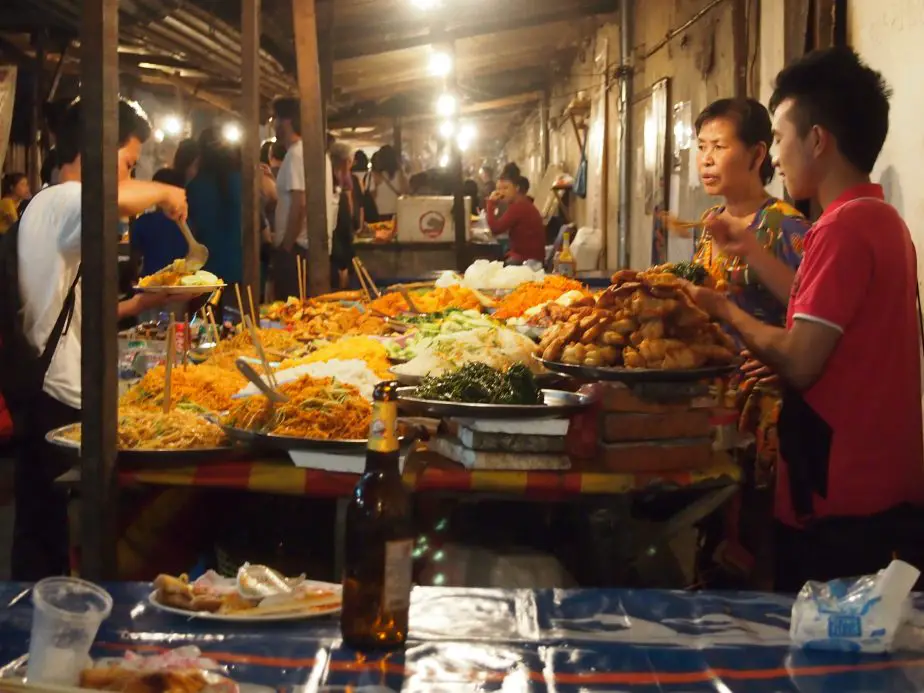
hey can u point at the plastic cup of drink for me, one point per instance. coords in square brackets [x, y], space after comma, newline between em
[67, 615]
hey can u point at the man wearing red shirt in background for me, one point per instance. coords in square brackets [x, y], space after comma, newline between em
[522, 221]
[850, 479]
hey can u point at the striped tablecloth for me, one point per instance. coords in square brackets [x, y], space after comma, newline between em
[279, 476]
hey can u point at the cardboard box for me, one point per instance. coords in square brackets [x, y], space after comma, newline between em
[424, 219]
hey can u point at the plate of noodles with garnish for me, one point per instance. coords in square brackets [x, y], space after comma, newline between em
[180, 436]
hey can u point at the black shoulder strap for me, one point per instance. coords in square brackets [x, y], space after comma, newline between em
[61, 324]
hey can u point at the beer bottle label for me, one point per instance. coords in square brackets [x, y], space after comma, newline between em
[396, 590]
[383, 434]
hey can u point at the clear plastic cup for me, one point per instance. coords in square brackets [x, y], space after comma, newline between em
[66, 618]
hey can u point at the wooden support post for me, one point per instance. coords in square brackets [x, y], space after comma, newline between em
[37, 120]
[544, 133]
[459, 220]
[314, 142]
[740, 46]
[99, 89]
[325, 23]
[250, 183]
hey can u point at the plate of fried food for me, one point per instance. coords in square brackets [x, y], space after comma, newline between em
[644, 327]
[177, 278]
[257, 593]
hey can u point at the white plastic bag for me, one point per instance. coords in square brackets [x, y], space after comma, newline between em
[855, 615]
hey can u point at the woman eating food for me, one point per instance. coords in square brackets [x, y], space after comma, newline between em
[751, 246]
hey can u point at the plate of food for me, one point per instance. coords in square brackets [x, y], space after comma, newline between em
[643, 328]
[176, 278]
[257, 593]
[144, 436]
[477, 390]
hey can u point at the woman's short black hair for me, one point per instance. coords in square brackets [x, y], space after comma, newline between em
[836, 90]
[187, 151]
[9, 183]
[753, 125]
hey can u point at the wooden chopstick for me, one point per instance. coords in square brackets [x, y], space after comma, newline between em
[253, 311]
[240, 302]
[298, 271]
[213, 324]
[407, 297]
[361, 267]
[304, 285]
[258, 347]
[362, 280]
[171, 357]
[679, 226]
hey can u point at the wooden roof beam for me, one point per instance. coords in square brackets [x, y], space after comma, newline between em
[493, 26]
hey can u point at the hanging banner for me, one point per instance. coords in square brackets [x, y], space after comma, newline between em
[7, 97]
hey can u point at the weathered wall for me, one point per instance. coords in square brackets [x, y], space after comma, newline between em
[888, 34]
[699, 64]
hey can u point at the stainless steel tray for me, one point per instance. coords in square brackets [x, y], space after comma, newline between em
[151, 458]
[557, 403]
[638, 375]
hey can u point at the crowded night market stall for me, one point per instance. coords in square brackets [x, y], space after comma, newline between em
[430, 420]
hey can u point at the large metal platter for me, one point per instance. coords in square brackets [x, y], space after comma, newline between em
[149, 458]
[638, 375]
[558, 403]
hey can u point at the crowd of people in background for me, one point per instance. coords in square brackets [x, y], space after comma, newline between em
[361, 190]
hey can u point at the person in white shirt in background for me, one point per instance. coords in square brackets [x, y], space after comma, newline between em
[49, 259]
[388, 182]
[290, 233]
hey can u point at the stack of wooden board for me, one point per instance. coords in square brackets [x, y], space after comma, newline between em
[533, 444]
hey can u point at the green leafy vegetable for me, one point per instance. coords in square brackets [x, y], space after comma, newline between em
[478, 383]
[691, 271]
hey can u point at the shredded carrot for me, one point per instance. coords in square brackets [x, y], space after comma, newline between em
[532, 294]
[433, 301]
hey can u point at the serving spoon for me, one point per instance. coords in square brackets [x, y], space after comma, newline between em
[198, 254]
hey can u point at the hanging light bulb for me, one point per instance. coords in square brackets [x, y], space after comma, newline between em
[446, 105]
[440, 64]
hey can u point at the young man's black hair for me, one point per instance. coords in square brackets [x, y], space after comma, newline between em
[288, 108]
[69, 133]
[837, 91]
[753, 125]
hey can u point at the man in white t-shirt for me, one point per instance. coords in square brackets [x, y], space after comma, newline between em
[290, 233]
[49, 260]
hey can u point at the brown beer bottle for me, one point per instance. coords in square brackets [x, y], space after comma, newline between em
[379, 540]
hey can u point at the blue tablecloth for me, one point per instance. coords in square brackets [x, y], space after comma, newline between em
[494, 640]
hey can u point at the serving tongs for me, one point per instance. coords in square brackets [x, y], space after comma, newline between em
[265, 388]
[198, 254]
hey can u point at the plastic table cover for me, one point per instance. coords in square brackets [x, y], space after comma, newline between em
[502, 640]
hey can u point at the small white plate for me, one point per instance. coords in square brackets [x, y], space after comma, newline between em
[240, 618]
[195, 290]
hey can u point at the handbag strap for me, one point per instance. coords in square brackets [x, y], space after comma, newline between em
[61, 324]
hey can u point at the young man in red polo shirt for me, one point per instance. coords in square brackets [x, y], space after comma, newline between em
[521, 220]
[850, 479]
